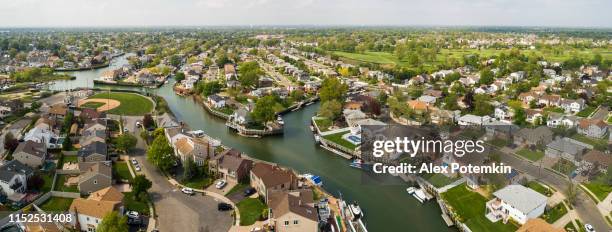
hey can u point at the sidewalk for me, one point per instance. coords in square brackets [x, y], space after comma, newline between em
[152, 222]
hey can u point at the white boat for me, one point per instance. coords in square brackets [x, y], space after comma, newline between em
[312, 128]
[315, 180]
[410, 190]
[309, 103]
[279, 119]
[317, 138]
[356, 210]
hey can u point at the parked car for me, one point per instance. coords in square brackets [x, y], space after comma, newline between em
[137, 167]
[224, 207]
[220, 184]
[125, 129]
[134, 221]
[134, 161]
[589, 228]
[132, 214]
[188, 191]
[249, 191]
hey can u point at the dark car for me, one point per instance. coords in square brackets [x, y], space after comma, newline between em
[224, 207]
[249, 192]
[134, 221]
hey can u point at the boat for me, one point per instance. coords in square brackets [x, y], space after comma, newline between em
[309, 103]
[352, 215]
[317, 138]
[357, 163]
[410, 190]
[279, 119]
[356, 210]
[315, 180]
[312, 128]
[418, 194]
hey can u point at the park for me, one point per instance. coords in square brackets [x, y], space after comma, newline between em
[128, 104]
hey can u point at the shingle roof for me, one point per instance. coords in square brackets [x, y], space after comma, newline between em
[272, 175]
[297, 202]
[12, 168]
[521, 197]
[97, 209]
[32, 148]
[107, 194]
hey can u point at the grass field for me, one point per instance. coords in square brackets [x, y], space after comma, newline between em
[323, 124]
[539, 188]
[93, 105]
[48, 178]
[56, 205]
[131, 104]
[564, 167]
[470, 206]
[601, 190]
[122, 171]
[531, 155]
[337, 138]
[250, 210]
[599, 144]
[586, 112]
[438, 180]
[198, 182]
[553, 214]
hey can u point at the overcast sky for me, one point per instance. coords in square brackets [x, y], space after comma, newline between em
[43, 13]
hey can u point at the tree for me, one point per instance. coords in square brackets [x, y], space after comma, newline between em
[486, 77]
[125, 142]
[140, 184]
[161, 154]
[482, 106]
[450, 102]
[190, 169]
[67, 144]
[331, 109]
[248, 73]
[112, 222]
[210, 88]
[67, 122]
[179, 76]
[519, 116]
[147, 121]
[332, 89]
[35, 182]
[571, 192]
[264, 109]
[10, 142]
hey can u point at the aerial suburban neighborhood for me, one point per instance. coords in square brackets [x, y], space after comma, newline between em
[270, 128]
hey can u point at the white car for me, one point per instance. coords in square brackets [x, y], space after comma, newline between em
[220, 184]
[589, 228]
[134, 161]
[188, 191]
[137, 167]
[132, 214]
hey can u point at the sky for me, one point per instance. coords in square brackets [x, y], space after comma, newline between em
[105, 13]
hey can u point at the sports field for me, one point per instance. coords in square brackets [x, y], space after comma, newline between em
[129, 104]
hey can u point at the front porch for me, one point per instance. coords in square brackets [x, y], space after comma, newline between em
[495, 212]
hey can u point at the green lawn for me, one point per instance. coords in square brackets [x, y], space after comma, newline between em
[48, 178]
[564, 166]
[539, 188]
[438, 180]
[599, 144]
[586, 112]
[250, 210]
[530, 155]
[323, 124]
[59, 185]
[134, 205]
[569, 227]
[470, 207]
[601, 190]
[122, 171]
[337, 138]
[93, 105]
[131, 104]
[500, 142]
[553, 214]
[240, 187]
[554, 109]
[56, 205]
[198, 182]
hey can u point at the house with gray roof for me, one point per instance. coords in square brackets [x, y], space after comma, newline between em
[13, 178]
[515, 202]
[95, 151]
[94, 176]
[31, 153]
[167, 121]
[567, 148]
[533, 136]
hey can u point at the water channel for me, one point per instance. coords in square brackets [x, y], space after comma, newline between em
[386, 208]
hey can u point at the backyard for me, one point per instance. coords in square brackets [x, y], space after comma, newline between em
[323, 123]
[564, 166]
[59, 185]
[553, 214]
[540, 188]
[530, 155]
[250, 210]
[337, 138]
[56, 205]
[132, 204]
[586, 112]
[122, 171]
[599, 144]
[439, 180]
[599, 188]
[470, 207]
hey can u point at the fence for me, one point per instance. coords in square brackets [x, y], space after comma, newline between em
[38, 201]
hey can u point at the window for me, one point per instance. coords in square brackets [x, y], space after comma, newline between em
[286, 223]
[95, 181]
[295, 222]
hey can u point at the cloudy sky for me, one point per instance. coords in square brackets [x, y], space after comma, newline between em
[42, 13]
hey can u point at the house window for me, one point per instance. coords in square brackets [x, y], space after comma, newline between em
[286, 223]
[295, 222]
[95, 181]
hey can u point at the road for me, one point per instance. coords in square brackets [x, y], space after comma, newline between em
[279, 78]
[584, 206]
[175, 210]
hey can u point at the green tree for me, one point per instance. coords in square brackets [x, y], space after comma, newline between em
[113, 222]
[210, 88]
[331, 109]
[486, 77]
[264, 109]
[248, 73]
[179, 76]
[332, 89]
[140, 184]
[125, 142]
[161, 154]
[190, 169]
[519, 116]
[482, 105]
[450, 102]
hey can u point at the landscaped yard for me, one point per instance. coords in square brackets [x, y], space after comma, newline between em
[337, 138]
[539, 188]
[586, 112]
[439, 180]
[599, 144]
[569, 227]
[56, 205]
[131, 104]
[250, 210]
[65, 159]
[240, 187]
[122, 171]
[48, 178]
[601, 190]
[134, 205]
[93, 105]
[530, 155]
[59, 185]
[198, 182]
[564, 166]
[553, 214]
[470, 206]
[323, 124]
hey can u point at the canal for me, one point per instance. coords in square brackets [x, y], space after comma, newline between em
[386, 208]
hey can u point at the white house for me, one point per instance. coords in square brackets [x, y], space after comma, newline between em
[216, 101]
[40, 135]
[517, 202]
[472, 120]
[572, 106]
[13, 177]
[4, 111]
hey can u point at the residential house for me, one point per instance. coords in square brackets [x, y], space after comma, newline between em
[503, 113]
[5, 111]
[241, 116]
[293, 211]
[196, 149]
[90, 212]
[532, 137]
[216, 101]
[31, 153]
[266, 179]
[472, 120]
[14, 178]
[596, 159]
[94, 176]
[594, 128]
[567, 148]
[515, 202]
[429, 100]
[230, 166]
[46, 136]
[532, 116]
[92, 152]
[230, 71]
[58, 111]
[94, 125]
[517, 76]
[561, 120]
[92, 136]
[89, 114]
[167, 121]
[351, 116]
[572, 106]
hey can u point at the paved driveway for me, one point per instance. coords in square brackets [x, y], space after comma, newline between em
[177, 211]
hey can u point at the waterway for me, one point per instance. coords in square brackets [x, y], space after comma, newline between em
[386, 207]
